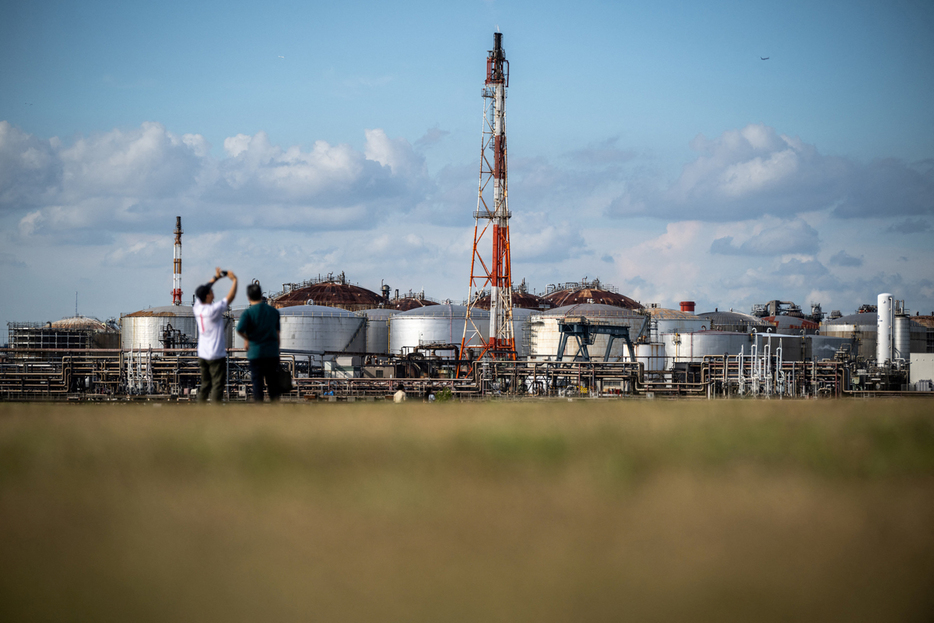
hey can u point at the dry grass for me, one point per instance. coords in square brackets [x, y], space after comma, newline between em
[539, 511]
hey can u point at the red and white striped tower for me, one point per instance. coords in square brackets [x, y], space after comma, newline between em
[177, 268]
[493, 218]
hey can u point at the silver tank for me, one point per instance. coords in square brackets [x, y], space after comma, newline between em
[546, 335]
[318, 329]
[673, 321]
[377, 329]
[522, 328]
[688, 347]
[144, 329]
[792, 345]
[862, 327]
[902, 341]
[651, 356]
[820, 347]
[435, 324]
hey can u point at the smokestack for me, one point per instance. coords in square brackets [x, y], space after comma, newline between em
[177, 264]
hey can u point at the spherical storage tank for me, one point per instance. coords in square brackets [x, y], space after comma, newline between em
[145, 329]
[377, 329]
[546, 334]
[437, 324]
[318, 329]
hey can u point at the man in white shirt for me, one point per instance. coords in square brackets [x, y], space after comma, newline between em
[212, 343]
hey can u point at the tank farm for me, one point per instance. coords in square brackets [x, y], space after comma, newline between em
[580, 340]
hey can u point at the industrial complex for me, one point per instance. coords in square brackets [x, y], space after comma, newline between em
[343, 341]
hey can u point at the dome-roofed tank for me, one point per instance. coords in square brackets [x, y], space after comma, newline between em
[149, 328]
[588, 292]
[321, 330]
[546, 334]
[327, 291]
[409, 300]
[732, 321]
[77, 332]
[437, 324]
[377, 329]
[81, 323]
[521, 298]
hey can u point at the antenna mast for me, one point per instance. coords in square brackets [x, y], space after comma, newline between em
[177, 265]
[492, 216]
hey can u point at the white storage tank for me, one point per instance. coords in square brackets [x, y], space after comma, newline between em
[319, 330]
[884, 327]
[145, 329]
[902, 338]
[436, 324]
[651, 356]
[377, 329]
[522, 328]
[693, 347]
[673, 321]
[546, 335]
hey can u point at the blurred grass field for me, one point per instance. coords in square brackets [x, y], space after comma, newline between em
[528, 511]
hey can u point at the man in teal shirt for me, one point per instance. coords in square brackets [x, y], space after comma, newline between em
[259, 327]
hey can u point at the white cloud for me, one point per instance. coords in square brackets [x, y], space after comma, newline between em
[135, 179]
[756, 171]
[781, 238]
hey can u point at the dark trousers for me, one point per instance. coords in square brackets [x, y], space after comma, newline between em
[213, 379]
[265, 370]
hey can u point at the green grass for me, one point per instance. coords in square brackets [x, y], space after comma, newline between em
[531, 511]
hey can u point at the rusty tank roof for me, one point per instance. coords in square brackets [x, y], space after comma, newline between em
[335, 293]
[520, 299]
[596, 296]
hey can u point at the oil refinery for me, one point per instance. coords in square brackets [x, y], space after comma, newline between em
[343, 341]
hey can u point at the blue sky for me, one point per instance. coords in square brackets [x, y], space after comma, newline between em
[649, 146]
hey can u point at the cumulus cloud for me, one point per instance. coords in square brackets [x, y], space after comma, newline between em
[432, 137]
[756, 171]
[131, 179]
[910, 226]
[30, 171]
[845, 259]
[602, 153]
[787, 237]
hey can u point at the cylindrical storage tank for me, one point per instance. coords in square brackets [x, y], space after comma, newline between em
[687, 306]
[902, 338]
[437, 324]
[144, 329]
[651, 356]
[792, 345]
[522, 329]
[235, 341]
[673, 321]
[821, 347]
[884, 330]
[377, 329]
[861, 327]
[546, 334]
[326, 331]
[693, 347]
